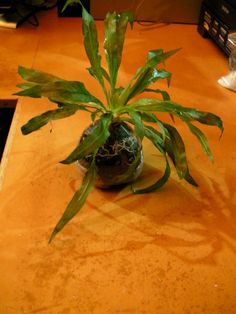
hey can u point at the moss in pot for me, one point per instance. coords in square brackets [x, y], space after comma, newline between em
[110, 149]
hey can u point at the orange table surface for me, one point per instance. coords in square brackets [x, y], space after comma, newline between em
[173, 251]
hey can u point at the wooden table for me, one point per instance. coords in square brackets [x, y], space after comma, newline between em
[173, 251]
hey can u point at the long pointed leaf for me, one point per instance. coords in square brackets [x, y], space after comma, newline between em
[61, 91]
[92, 142]
[36, 76]
[147, 74]
[115, 29]
[177, 147]
[152, 105]
[159, 56]
[78, 200]
[155, 137]
[164, 93]
[41, 120]
[150, 76]
[202, 139]
[151, 117]
[139, 127]
[26, 85]
[104, 73]
[157, 185]
[91, 45]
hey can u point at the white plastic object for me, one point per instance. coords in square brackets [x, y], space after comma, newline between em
[229, 80]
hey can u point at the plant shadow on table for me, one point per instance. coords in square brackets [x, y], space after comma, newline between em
[193, 224]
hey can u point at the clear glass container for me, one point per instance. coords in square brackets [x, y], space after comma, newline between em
[232, 57]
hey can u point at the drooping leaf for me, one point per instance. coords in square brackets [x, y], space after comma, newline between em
[152, 105]
[188, 177]
[155, 137]
[202, 139]
[78, 199]
[93, 141]
[204, 118]
[115, 29]
[151, 117]
[164, 145]
[36, 76]
[157, 185]
[62, 91]
[177, 147]
[41, 120]
[164, 93]
[150, 132]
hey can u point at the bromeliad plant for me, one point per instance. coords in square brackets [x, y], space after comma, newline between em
[110, 149]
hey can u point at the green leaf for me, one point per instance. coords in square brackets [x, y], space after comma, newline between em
[139, 127]
[94, 115]
[78, 199]
[157, 185]
[92, 46]
[190, 179]
[165, 144]
[159, 56]
[176, 146]
[36, 76]
[41, 120]
[26, 85]
[152, 105]
[150, 76]
[104, 73]
[147, 74]
[202, 139]
[155, 137]
[115, 29]
[62, 91]
[204, 118]
[93, 141]
[70, 2]
[150, 117]
[164, 94]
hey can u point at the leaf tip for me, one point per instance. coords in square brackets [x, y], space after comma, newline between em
[52, 236]
[64, 162]
[20, 69]
[24, 130]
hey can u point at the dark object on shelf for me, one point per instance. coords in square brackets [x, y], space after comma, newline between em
[154, 11]
[217, 20]
[7, 109]
[74, 10]
[18, 13]
[5, 5]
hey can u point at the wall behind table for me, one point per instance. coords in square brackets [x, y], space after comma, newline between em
[180, 11]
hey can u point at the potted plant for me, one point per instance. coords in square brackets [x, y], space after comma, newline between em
[110, 149]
